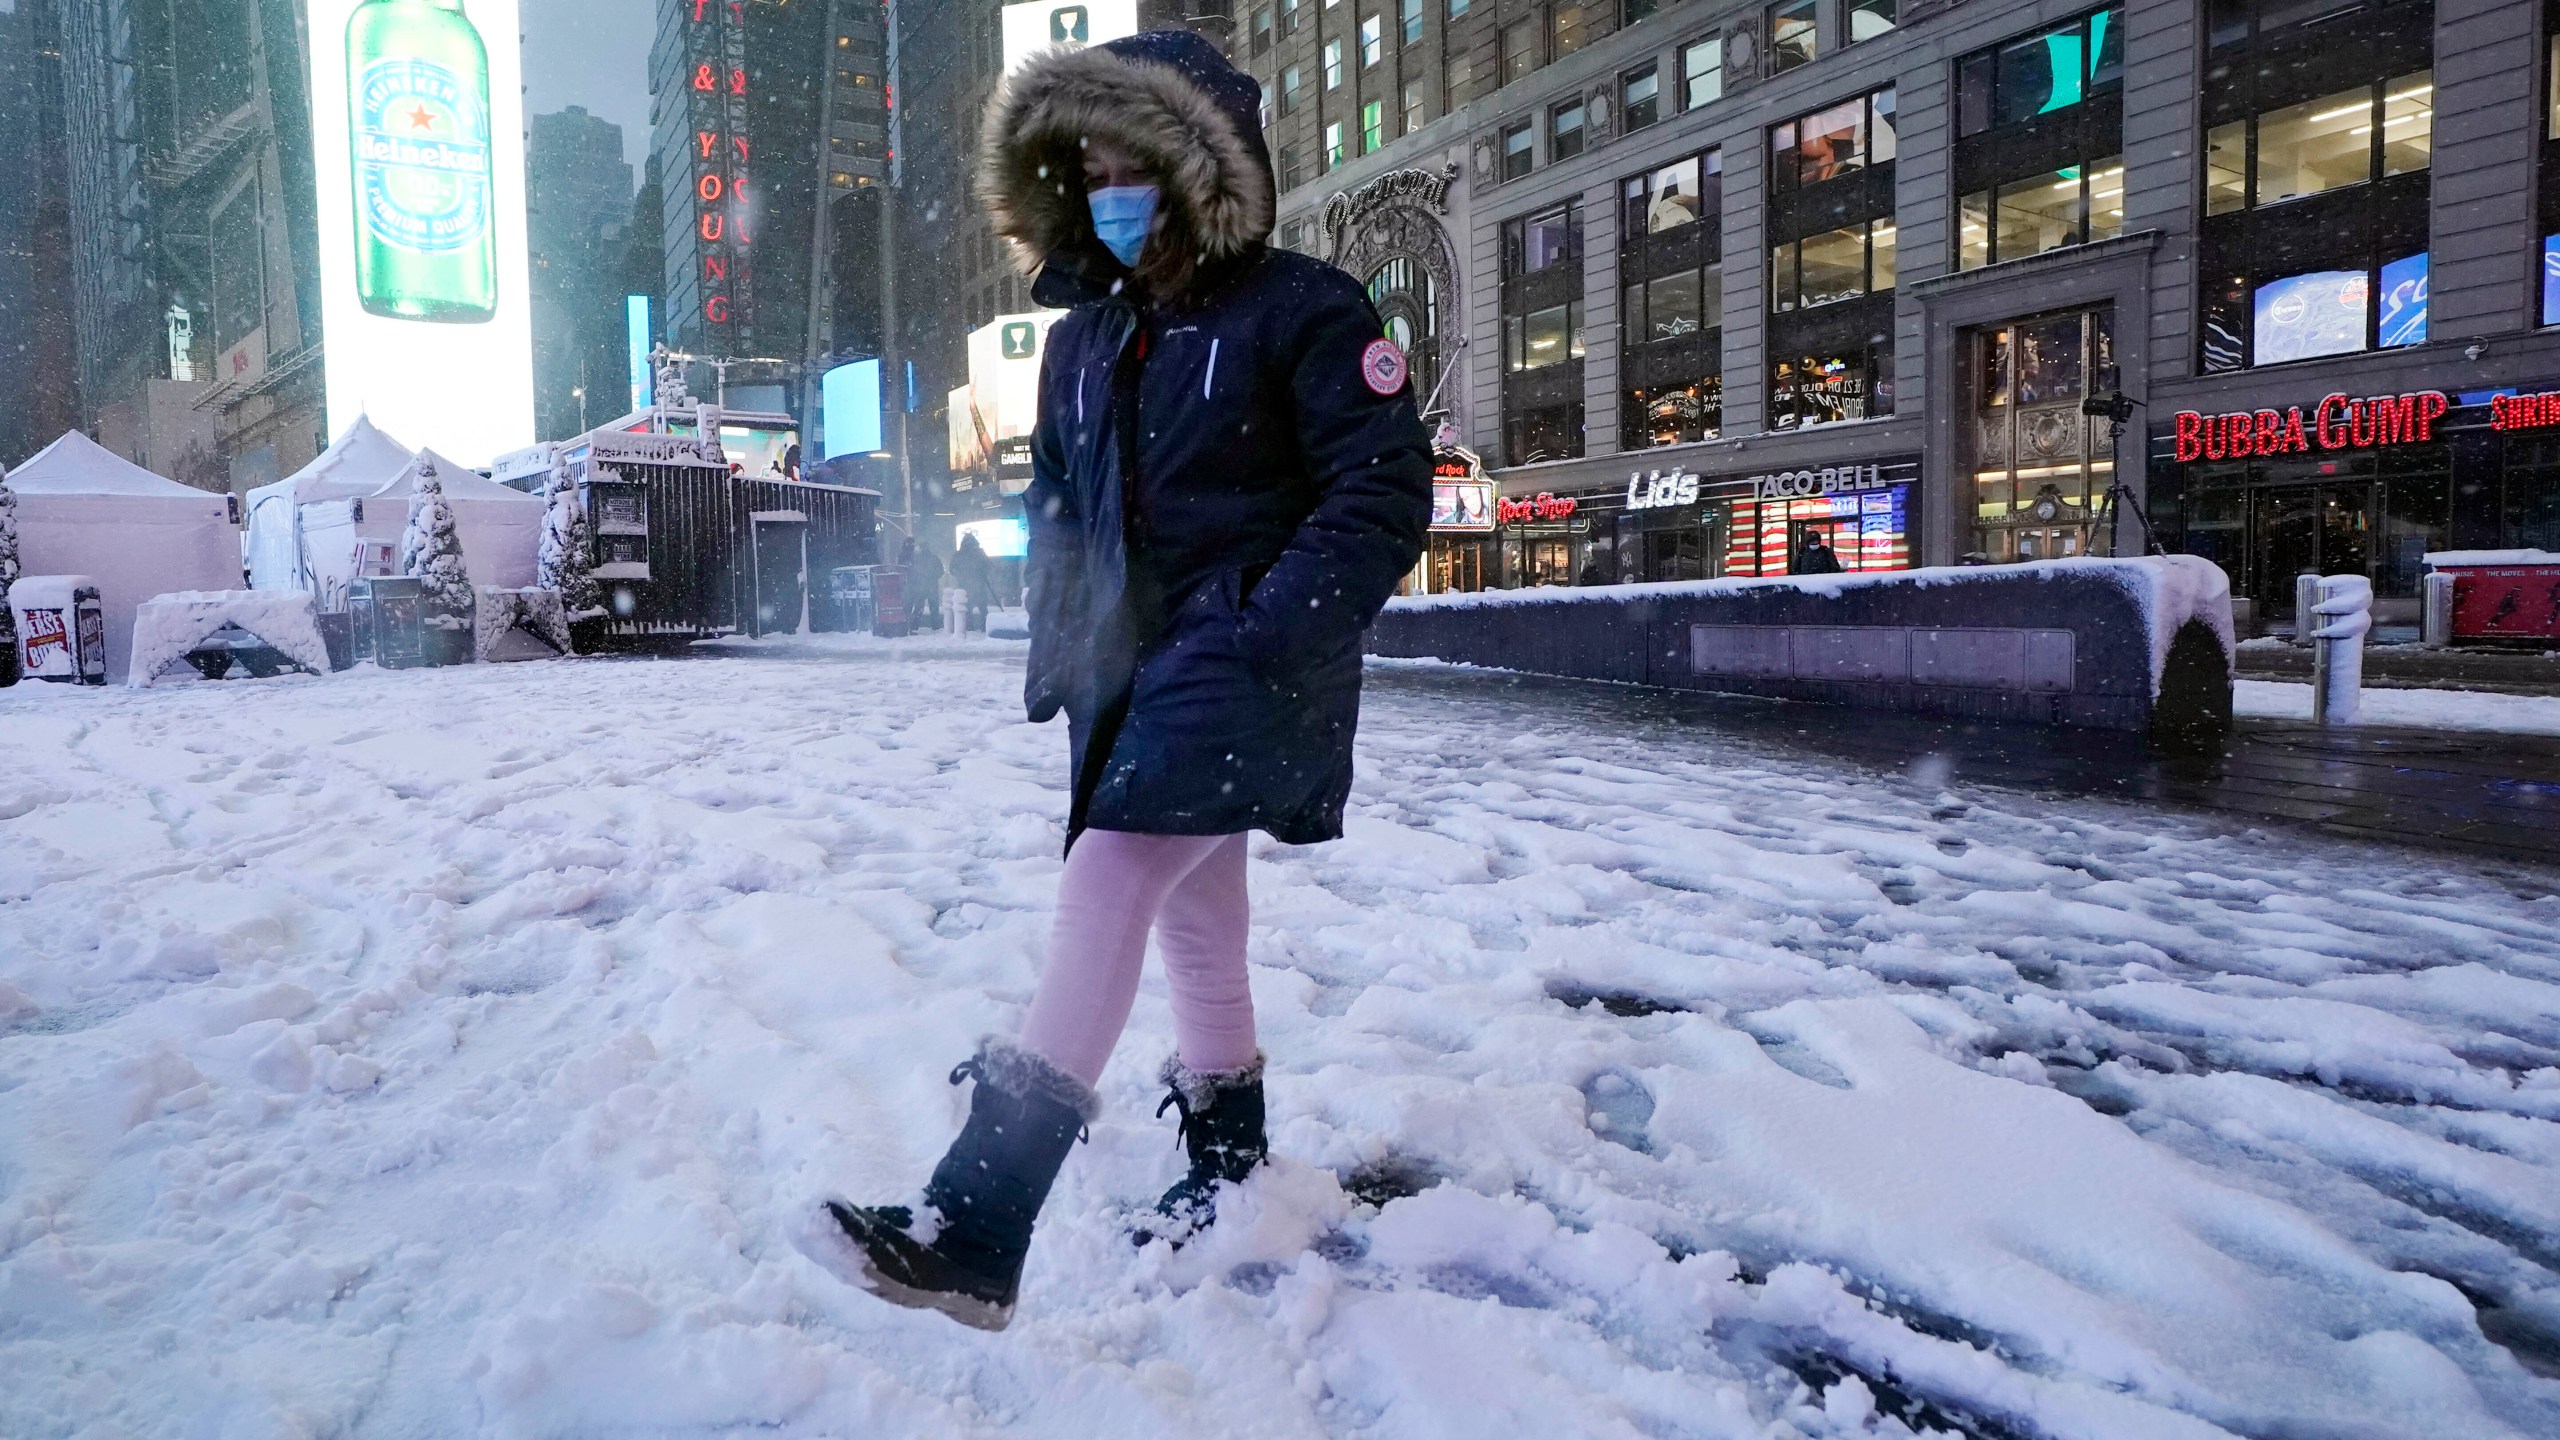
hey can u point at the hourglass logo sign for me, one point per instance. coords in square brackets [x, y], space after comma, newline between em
[1036, 27]
[1070, 25]
[1021, 341]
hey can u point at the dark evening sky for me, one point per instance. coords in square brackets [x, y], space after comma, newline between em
[593, 53]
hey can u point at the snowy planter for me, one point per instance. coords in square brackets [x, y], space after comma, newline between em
[520, 624]
[2135, 644]
[167, 629]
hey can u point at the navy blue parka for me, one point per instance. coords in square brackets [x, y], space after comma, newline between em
[1229, 474]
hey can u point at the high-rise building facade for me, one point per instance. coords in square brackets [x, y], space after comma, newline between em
[578, 213]
[192, 245]
[772, 120]
[39, 379]
[1714, 279]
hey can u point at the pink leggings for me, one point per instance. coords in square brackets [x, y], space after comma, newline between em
[1190, 890]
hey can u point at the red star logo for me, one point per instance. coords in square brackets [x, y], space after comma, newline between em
[419, 119]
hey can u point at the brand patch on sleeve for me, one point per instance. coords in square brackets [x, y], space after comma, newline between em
[1384, 367]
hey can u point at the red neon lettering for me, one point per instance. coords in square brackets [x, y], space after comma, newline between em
[2190, 436]
[712, 225]
[2293, 441]
[703, 79]
[2395, 419]
[740, 142]
[737, 82]
[2360, 423]
[716, 309]
[715, 268]
[698, 7]
[2333, 433]
[2266, 433]
[705, 142]
[2431, 408]
[708, 187]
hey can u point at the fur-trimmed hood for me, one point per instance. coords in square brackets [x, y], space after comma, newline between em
[1175, 104]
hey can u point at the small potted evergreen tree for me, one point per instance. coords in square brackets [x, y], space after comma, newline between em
[431, 552]
[567, 558]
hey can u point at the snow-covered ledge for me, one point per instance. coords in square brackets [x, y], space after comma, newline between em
[2133, 644]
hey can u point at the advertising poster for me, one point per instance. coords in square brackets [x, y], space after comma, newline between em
[637, 343]
[2302, 316]
[1037, 25]
[2404, 301]
[417, 120]
[1004, 385]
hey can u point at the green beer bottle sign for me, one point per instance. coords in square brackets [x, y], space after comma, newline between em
[425, 192]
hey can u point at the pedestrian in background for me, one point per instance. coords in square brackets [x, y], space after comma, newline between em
[974, 574]
[1197, 617]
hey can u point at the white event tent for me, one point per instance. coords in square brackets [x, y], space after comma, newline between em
[341, 516]
[85, 510]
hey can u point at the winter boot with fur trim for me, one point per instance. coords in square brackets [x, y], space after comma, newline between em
[963, 1256]
[1222, 1128]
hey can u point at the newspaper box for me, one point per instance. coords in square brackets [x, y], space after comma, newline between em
[2502, 595]
[389, 610]
[62, 629]
[850, 587]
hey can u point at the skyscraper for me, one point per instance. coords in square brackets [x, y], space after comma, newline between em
[770, 115]
[578, 212]
[191, 235]
[39, 390]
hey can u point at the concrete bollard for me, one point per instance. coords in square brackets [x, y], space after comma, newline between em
[2436, 614]
[2342, 610]
[2306, 590]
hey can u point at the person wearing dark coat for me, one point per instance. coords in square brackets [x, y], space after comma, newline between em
[1817, 557]
[973, 572]
[1229, 478]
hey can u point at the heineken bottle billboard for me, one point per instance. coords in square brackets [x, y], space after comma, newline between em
[418, 151]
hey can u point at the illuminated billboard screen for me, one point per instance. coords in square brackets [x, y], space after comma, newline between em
[2302, 316]
[2404, 301]
[1001, 539]
[1004, 388]
[849, 407]
[1037, 25]
[635, 321]
[417, 130]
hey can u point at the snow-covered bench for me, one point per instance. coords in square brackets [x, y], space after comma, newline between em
[2134, 644]
[167, 627]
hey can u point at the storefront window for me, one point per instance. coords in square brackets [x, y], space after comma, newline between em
[1675, 414]
[1793, 38]
[1832, 142]
[2348, 137]
[1828, 389]
[2039, 74]
[1835, 265]
[1544, 337]
[1543, 432]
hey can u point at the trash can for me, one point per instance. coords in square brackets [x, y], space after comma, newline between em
[890, 616]
[396, 605]
[62, 629]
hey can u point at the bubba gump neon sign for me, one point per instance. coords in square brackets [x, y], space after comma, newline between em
[2336, 423]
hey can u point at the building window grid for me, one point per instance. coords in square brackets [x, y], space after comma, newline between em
[1333, 64]
[1794, 37]
[1639, 97]
[1702, 72]
[1519, 155]
[1565, 130]
[1372, 40]
[1373, 126]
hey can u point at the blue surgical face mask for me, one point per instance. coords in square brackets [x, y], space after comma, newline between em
[1121, 215]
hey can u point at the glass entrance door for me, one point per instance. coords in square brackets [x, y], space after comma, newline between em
[2307, 530]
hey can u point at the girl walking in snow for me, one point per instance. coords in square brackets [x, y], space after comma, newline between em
[1229, 478]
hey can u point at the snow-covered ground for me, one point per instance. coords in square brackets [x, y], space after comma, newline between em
[459, 1052]
[2423, 709]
